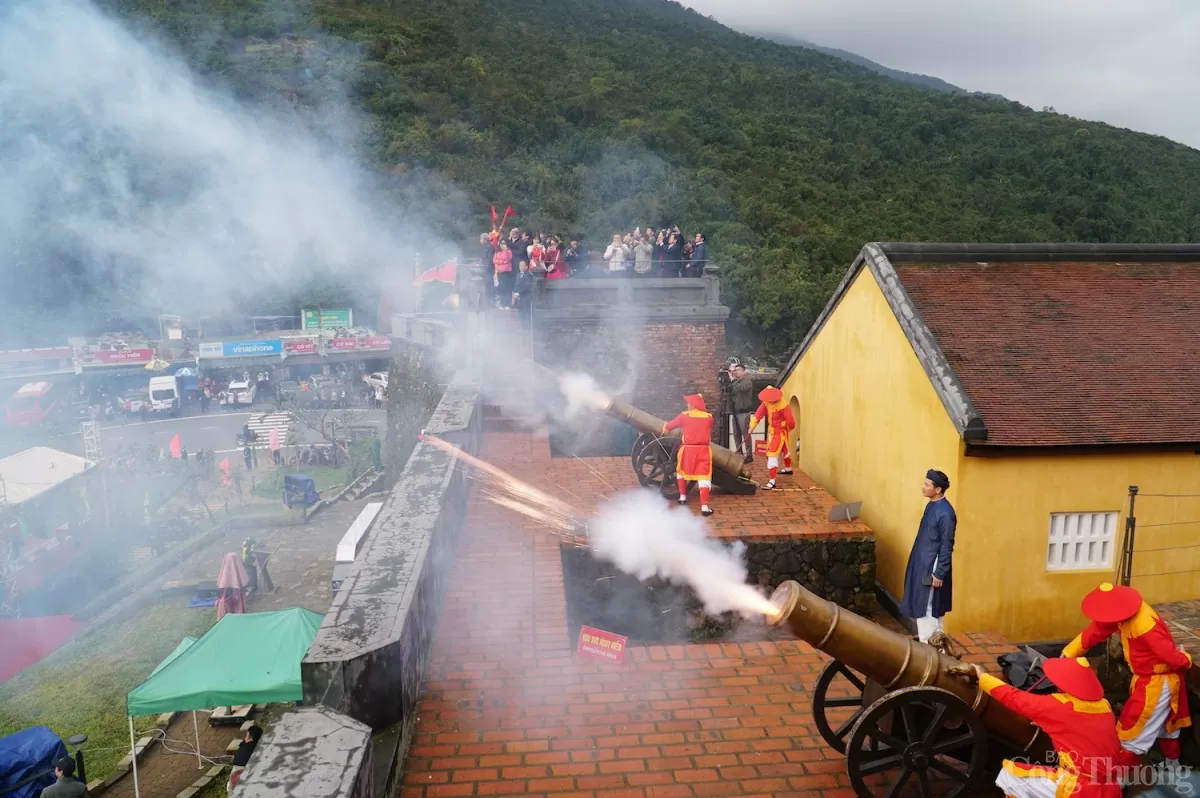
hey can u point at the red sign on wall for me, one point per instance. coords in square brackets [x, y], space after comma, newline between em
[375, 343]
[343, 344]
[124, 355]
[300, 347]
[601, 645]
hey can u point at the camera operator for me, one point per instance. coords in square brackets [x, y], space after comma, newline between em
[743, 404]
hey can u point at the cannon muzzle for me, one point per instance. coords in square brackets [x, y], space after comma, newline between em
[893, 660]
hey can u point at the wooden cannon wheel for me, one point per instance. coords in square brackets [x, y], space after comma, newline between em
[837, 673]
[653, 460]
[921, 741]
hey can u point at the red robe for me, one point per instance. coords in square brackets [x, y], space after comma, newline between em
[1082, 733]
[694, 461]
[780, 424]
[1156, 662]
[556, 267]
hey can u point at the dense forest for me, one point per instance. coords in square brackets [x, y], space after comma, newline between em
[591, 116]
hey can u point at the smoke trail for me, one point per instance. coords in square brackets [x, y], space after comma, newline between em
[146, 191]
[583, 395]
[642, 536]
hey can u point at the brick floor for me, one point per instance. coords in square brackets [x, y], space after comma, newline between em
[507, 710]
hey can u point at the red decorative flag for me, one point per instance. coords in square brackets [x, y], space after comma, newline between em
[446, 273]
[493, 207]
[176, 447]
[507, 213]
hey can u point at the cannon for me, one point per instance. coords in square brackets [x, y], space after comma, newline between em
[653, 455]
[910, 718]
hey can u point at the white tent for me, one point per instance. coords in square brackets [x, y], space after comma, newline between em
[28, 474]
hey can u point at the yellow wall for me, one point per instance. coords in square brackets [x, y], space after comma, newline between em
[1010, 502]
[871, 425]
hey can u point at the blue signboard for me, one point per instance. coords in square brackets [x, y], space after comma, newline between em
[251, 348]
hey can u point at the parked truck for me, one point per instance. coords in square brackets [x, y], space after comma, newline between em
[164, 395]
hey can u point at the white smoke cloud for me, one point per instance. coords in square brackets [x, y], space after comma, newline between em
[115, 162]
[643, 537]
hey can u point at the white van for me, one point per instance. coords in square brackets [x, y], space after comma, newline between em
[164, 395]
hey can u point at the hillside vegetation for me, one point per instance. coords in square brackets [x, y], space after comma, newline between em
[590, 116]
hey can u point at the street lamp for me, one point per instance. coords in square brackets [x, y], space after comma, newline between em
[76, 741]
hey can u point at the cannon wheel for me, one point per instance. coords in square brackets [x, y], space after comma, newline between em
[915, 737]
[822, 702]
[654, 462]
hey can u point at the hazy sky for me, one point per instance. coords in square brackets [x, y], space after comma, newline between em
[1131, 63]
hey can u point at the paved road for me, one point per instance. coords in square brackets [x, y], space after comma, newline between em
[216, 430]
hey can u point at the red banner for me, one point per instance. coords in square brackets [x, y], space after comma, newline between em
[25, 355]
[601, 645]
[300, 347]
[124, 355]
[375, 342]
[343, 344]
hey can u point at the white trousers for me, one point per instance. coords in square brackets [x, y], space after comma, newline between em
[928, 625]
[1154, 725]
[1027, 786]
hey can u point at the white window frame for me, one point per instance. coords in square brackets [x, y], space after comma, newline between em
[1081, 541]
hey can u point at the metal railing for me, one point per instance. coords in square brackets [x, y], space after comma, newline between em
[1153, 543]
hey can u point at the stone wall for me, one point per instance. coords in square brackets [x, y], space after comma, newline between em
[841, 570]
[369, 656]
[312, 752]
[653, 339]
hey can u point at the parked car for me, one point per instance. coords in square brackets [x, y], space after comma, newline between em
[378, 379]
[239, 392]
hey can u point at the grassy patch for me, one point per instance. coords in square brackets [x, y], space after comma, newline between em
[82, 686]
[271, 485]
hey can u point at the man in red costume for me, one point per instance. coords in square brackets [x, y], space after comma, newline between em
[780, 424]
[694, 462]
[1080, 724]
[1157, 706]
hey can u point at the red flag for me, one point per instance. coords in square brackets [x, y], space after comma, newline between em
[507, 213]
[176, 447]
[445, 273]
[493, 207]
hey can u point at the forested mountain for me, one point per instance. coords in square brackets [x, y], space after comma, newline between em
[596, 115]
[924, 81]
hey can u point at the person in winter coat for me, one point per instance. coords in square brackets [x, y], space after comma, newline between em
[928, 579]
[615, 255]
[672, 256]
[643, 257]
[522, 295]
[699, 257]
[502, 261]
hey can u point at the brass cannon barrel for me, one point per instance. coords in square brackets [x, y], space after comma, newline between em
[642, 421]
[894, 660]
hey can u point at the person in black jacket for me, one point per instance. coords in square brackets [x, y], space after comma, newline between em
[522, 296]
[699, 257]
[672, 256]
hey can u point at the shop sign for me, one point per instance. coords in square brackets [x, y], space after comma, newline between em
[343, 344]
[300, 347]
[335, 319]
[251, 348]
[375, 343]
[114, 356]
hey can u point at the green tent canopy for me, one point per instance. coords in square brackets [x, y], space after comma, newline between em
[251, 658]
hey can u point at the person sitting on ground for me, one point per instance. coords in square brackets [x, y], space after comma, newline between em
[242, 755]
[67, 785]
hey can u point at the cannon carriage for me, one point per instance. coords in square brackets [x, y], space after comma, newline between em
[909, 717]
[653, 455]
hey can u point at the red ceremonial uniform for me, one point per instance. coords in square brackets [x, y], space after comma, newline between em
[1157, 665]
[780, 422]
[1082, 734]
[694, 461]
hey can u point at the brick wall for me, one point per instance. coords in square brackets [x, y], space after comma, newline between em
[669, 359]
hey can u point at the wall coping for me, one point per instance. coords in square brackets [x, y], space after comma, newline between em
[369, 610]
[311, 752]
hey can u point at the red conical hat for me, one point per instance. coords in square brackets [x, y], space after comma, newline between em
[1111, 603]
[770, 394]
[1074, 677]
[695, 401]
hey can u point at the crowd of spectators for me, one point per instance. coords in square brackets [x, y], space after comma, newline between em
[665, 252]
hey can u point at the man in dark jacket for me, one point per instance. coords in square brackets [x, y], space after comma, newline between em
[744, 403]
[928, 583]
[699, 257]
[522, 296]
[67, 785]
